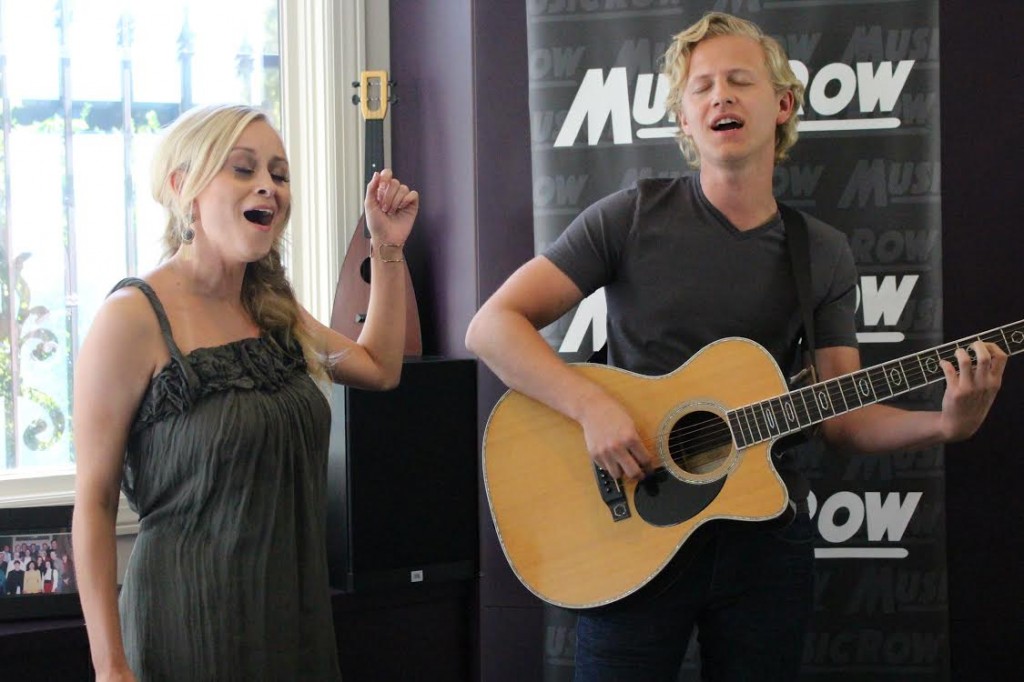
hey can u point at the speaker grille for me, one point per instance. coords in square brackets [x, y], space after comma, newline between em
[402, 481]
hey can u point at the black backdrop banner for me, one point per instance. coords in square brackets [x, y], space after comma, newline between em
[867, 162]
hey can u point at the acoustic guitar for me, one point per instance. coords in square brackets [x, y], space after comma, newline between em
[579, 539]
[352, 295]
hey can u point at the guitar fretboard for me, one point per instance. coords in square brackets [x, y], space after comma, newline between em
[791, 412]
[374, 147]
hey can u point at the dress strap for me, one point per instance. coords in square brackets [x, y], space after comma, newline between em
[165, 324]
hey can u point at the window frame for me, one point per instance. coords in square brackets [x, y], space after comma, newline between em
[322, 46]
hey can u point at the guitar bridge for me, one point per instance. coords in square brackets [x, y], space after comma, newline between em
[612, 495]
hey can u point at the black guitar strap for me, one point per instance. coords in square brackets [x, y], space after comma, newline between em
[800, 258]
[798, 243]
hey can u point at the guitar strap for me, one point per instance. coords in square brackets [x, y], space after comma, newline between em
[798, 245]
[799, 248]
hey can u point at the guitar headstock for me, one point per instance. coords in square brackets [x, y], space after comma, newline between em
[374, 94]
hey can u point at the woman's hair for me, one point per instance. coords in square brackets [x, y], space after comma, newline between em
[195, 148]
[676, 67]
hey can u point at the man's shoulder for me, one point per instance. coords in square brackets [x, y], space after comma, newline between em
[651, 193]
[660, 185]
[644, 188]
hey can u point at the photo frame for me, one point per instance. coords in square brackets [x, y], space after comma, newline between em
[40, 538]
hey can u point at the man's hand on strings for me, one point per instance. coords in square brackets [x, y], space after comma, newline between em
[613, 441]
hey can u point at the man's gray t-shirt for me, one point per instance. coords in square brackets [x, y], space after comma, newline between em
[678, 276]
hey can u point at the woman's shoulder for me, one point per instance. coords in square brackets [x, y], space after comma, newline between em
[128, 311]
[142, 301]
[126, 332]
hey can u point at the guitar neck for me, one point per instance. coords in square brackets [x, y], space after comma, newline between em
[374, 149]
[374, 138]
[794, 411]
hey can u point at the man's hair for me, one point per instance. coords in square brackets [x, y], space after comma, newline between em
[676, 67]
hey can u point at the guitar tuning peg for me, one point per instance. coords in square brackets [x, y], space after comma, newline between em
[355, 84]
[392, 99]
[355, 99]
[392, 84]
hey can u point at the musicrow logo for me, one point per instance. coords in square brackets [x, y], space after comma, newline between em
[833, 90]
[844, 514]
[880, 300]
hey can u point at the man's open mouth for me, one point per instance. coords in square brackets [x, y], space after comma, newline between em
[726, 124]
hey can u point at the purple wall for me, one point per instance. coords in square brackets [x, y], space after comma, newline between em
[460, 135]
[432, 147]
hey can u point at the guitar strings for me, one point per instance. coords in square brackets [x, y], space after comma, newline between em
[716, 429]
[716, 432]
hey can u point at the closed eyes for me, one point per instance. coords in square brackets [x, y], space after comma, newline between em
[277, 177]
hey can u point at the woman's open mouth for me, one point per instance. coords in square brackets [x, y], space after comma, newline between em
[260, 216]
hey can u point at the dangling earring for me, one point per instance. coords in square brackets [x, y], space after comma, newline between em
[188, 233]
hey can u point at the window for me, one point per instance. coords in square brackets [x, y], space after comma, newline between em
[323, 47]
[85, 87]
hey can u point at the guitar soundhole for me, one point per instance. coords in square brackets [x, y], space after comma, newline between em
[700, 442]
[364, 269]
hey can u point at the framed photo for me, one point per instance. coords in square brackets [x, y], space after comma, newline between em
[37, 564]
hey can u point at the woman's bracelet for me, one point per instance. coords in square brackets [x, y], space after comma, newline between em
[384, 257]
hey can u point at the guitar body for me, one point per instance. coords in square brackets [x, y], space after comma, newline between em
[559, 535]
[352, 295]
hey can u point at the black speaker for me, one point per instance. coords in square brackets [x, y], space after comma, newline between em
[402, 479]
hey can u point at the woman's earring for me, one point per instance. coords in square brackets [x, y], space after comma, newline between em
[188, 233]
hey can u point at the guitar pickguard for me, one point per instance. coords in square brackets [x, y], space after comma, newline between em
[663, 500]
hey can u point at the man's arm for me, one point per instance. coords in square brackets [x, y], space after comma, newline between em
[882, 428]
[504, 335]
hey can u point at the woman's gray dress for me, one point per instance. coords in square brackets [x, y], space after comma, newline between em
[226, 465]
